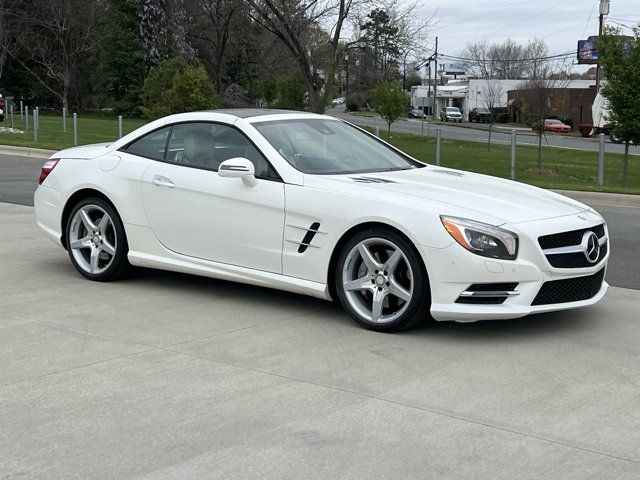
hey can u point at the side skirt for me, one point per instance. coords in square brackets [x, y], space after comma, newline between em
[155, 255]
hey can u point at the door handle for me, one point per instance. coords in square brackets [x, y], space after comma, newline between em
[162, 181]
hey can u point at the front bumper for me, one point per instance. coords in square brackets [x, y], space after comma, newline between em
[452, 270]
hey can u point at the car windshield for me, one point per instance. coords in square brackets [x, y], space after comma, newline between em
[453, 110]
[553, 122]
[324, 146]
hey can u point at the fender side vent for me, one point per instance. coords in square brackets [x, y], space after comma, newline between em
[308, 237]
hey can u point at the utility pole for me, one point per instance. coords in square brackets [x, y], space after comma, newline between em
[435, 82]
[604, 10]
[346, 68]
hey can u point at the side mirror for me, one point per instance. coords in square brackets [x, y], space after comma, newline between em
[239, 168]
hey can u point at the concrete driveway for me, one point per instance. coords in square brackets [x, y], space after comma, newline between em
[171, 376]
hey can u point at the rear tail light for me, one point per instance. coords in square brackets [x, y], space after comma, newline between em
[47, 168]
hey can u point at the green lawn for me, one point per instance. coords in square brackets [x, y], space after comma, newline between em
[564, 169]
[91, 129]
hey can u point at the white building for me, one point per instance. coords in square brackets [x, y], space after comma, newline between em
[470, 93]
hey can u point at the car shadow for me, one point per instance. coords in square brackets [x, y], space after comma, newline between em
[545, 324]
[536, 325]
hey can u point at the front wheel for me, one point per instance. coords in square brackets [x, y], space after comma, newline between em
[96, 240]
[381, 281]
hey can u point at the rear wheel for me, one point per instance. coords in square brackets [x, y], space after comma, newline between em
[381, 282]
[614, 138]
[96, 240]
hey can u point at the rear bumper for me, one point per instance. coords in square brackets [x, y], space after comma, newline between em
[48, 203]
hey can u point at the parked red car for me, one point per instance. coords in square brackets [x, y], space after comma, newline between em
[551, 125]
[1, 109]
[480, 115]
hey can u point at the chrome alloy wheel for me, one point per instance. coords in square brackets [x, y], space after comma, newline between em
[377, 280]
[92, 239]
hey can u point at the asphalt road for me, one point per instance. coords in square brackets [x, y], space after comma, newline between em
[167, 376]
[18, 181]
[477, 135]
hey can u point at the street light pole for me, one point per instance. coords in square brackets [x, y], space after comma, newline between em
[604, 10]
[435, 83]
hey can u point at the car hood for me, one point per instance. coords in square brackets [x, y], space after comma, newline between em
[84, 151]
[454, 192]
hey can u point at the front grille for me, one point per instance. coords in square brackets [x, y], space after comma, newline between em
[566, 239]
[572, 238]
[575, 260]
[569, 290]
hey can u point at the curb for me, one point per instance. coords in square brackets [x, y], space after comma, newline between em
[611, 199]
[471, 126]
[26, 151]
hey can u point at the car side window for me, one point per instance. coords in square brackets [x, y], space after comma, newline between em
[152, 145]
[207, 145]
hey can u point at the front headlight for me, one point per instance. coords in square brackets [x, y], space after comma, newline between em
[481, 238]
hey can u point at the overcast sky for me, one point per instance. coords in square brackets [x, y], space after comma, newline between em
[561, 23]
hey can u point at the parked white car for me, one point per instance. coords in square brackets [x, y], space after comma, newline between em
[451, 114]
[314, 205]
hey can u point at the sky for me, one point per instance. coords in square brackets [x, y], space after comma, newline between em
[561, 23]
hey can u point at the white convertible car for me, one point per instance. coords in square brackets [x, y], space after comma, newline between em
[314, 205]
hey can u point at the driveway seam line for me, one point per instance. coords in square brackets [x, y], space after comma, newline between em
[78, 367]
[416, 407]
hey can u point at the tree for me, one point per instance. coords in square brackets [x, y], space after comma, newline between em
[176, 86]
[163, 25]
[216, 23]
[388, 101]
[291, 21]
[388, 39]
[621, 67]
[120, 73]
[493, 93]
[506, 60]
[56, 36]
[8, 32]
[538, 93]
[380, 34]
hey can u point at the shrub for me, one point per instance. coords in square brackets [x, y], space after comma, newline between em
[291, 92]
[176, 86]
[502, 118]
[351, 104]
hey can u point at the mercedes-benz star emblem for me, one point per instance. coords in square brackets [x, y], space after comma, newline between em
[591, 245]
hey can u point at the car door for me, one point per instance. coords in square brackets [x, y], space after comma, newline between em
[193, 211]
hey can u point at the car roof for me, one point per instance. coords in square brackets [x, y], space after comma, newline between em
[256, 112]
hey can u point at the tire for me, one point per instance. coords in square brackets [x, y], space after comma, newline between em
[97, 245]
[381, 281]
[614, 138]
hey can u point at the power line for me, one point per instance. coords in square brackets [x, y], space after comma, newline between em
[593, 7]
[514, 60]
